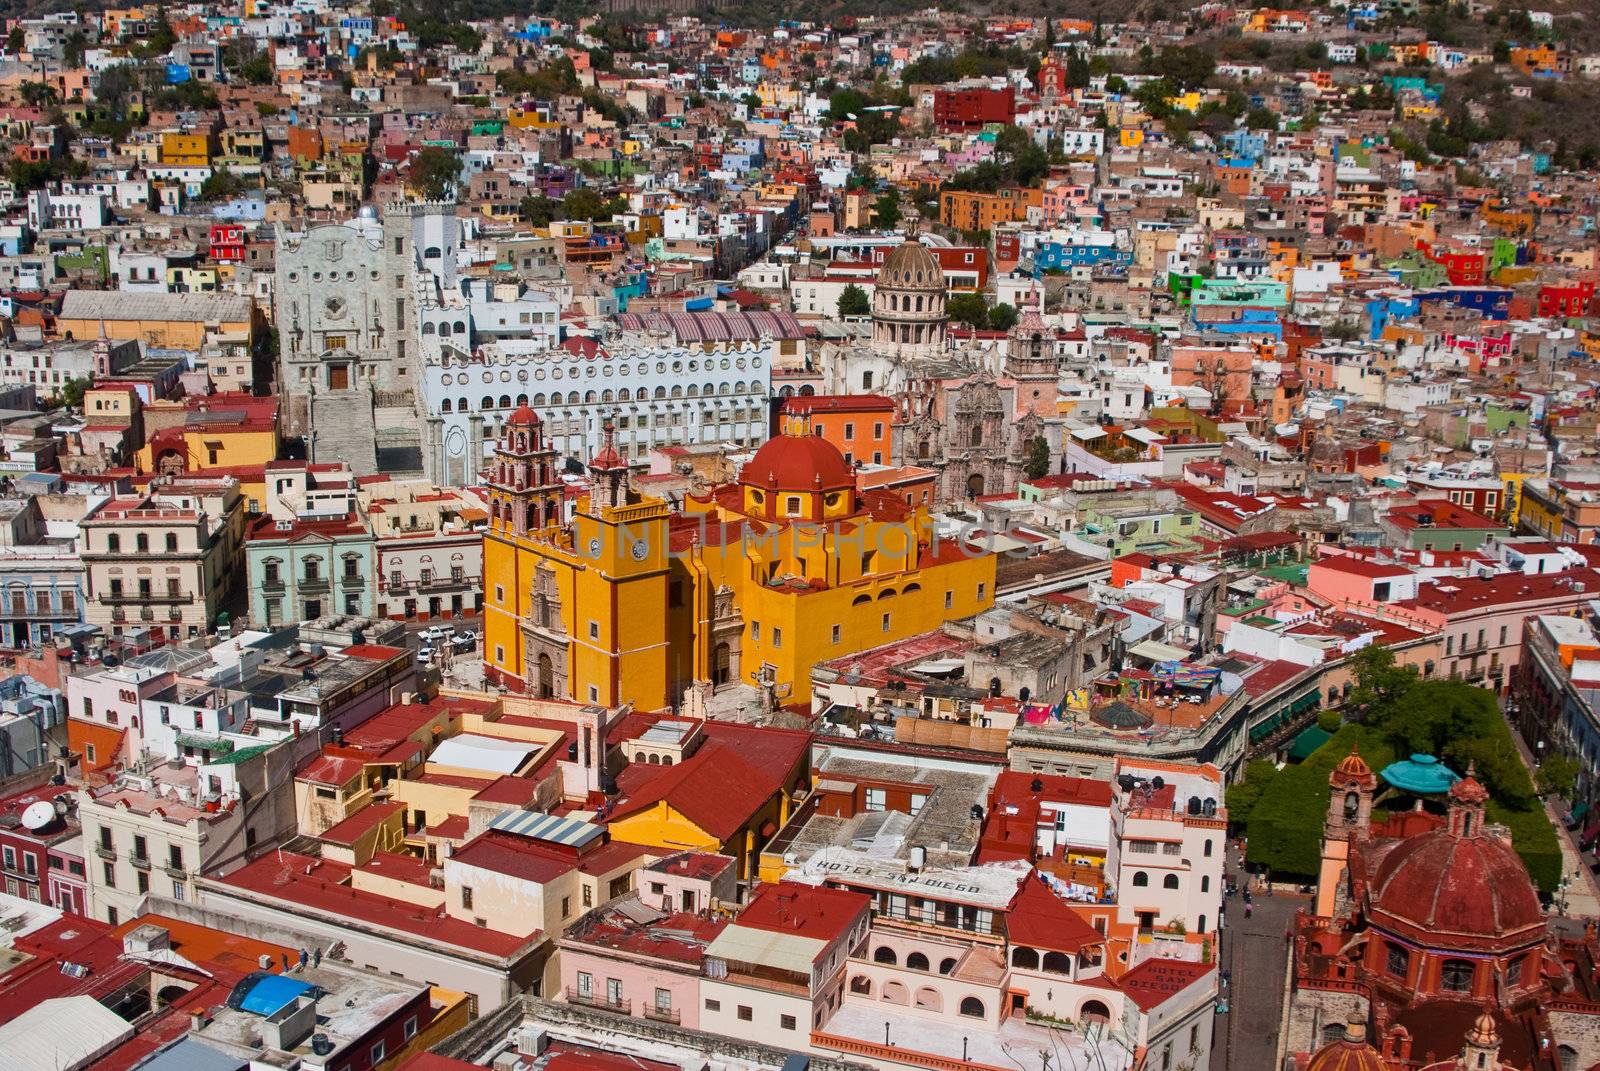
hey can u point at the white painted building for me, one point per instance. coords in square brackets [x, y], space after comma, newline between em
[660, 393]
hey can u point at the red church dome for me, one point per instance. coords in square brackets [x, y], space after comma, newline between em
[1349, 1053]
[1441, 885]
[524, 416]
[798, 463]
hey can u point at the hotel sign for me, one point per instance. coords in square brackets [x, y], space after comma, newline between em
[991, 887]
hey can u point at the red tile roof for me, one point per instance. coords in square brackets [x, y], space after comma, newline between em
[1156, 980]
[1040, 919]
[724, 783]
[809, 911]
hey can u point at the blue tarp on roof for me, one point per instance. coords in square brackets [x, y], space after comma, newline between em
[1424, 775]
[273, 992]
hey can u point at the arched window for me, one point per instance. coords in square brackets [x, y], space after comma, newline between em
[1141, 880]
[661, 392]
[1207, 849]
[461, 327]
[1456, 976]
[916, 961]
[1094, 1011]
[677, 391]
[1205, 883]
[607, 396]
[1025, 958]
[538, 399]
[444, 330]
[505, 401]
[624, 395]
[444, 406]
[1170, 881]
[1202, 927]
[1058, 963]
[896, 993]
[929, 1000]
[488, 402]
[522, 399]
[947, 965]
[861, 984]
[972, 1007]
[694, 391]
[885, 954]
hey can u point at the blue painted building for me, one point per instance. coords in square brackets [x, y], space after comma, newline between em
[1493, 302]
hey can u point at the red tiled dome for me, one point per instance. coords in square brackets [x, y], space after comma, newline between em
[1438, 885]
[1349, 1053]
[797, 463]
[524, 416]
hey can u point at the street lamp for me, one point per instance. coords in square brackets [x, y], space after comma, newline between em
[886, 1032]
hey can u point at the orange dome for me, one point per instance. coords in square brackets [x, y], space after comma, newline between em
[798, 463]
[1350, 1053]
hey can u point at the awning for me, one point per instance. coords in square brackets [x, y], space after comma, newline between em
[1087, 434]
[1157, 651]
[1313, 737]
[1144, 435]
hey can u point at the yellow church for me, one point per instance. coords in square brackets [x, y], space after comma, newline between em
[754, 582]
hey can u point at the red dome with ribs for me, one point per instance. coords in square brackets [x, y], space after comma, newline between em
[798, 463]
[1438, 885]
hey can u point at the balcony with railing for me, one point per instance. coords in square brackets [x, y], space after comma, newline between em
[140, 862]
[312, 584]
[600, 1001]
[134, 598]
[663, 1015]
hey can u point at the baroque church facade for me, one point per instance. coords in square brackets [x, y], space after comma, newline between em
[971, 415]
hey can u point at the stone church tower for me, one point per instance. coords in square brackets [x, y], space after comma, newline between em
[908, 313]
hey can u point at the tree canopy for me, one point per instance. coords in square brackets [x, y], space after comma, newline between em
[853, 301]
[434, 171]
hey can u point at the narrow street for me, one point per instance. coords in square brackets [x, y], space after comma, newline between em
[1255, 954]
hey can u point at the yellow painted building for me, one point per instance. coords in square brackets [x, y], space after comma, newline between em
[574, 611]
[185, 150]
[755, 582]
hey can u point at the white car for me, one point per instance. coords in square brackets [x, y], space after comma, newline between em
[466, 635]
[435, 632]
[424, 656]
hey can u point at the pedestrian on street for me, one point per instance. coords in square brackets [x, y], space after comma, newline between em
[1247, 909]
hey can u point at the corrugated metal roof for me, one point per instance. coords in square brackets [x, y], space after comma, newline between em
[716, 326]
[127, 305]
[572, 832]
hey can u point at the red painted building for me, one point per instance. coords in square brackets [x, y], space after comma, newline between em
[227, 243]
[966, 267]
[42, 858]
[1571, 299]
[968, 109]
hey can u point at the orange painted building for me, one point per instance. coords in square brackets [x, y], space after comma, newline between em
[859, 425]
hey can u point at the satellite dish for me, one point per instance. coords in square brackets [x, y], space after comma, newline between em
[38, 815]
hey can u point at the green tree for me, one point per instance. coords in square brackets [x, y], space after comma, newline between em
[220, 185]
[73, 48]
[1261, 119]
[257, 69]
[1502, 52]
[1038, 460]
[853, 301]
[15, 40]
[434, 171]
[71, 392]
[1115, 83]
[38, 94]
[1002, 317]
[1245, 793]
[1186, 66]
[538, 210]
[969, 309]
[585, 203]
[887, 209]
[1378, 681]
[1558, 775]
